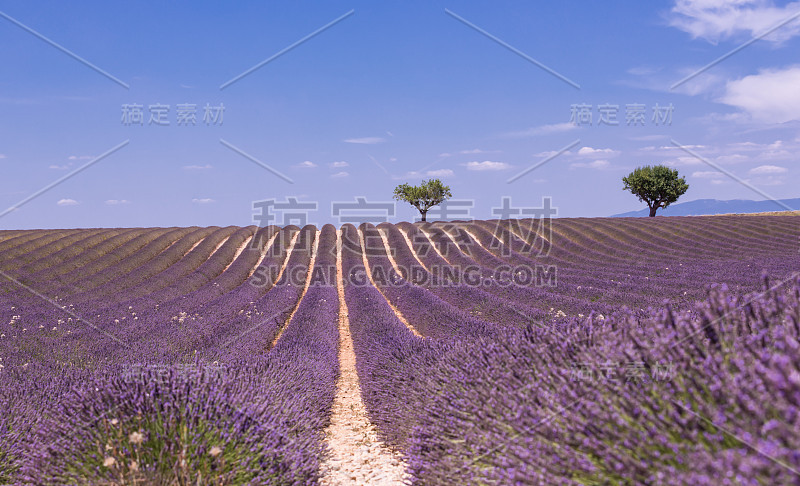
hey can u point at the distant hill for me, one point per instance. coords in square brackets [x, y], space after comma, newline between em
[715, 206]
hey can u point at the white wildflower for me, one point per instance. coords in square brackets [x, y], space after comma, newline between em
[136, 438]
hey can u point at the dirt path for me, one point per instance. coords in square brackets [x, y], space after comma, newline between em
[264, 250]
[413, 251]
[388, 247]
[356, 455]
[238, 252]
[433, 245]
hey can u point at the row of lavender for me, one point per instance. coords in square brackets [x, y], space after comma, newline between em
[213, 395]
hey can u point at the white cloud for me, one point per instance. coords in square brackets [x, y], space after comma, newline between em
[339, 164]
[117, 202]
[2, 156]
[340, 175]
[768, 169]
[707, 174]
[487, 165]
[731, 159]
[767, 181]
[714, 120]
[674, 156]
[306, 164]
[673, 147]
[541, 130]
[715, 20]
[366, 140]
[205, 200]
[649, 138]
[697, 84]
[439, 173]
[593, 152]
[643, 70]
[445, 154]
[80, 157]
[585, 152]
[595, 164]
[778, 153]
[770, 96]
[59, 167]
[197, 167]
[478, 151]
[656, 80]
[67, 202]
[686, 160]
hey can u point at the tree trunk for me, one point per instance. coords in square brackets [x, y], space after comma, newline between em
[423, 213]
[653, 210]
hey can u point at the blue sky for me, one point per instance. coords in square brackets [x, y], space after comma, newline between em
[394, 92]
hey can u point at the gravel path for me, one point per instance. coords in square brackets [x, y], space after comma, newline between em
[356, 456]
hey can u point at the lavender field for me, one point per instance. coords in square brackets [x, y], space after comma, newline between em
[577, 351]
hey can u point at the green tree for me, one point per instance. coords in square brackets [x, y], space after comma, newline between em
[658, 186]
[424, 196]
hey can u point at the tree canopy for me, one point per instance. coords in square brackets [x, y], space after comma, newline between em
[658, 186]
[424, 196]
